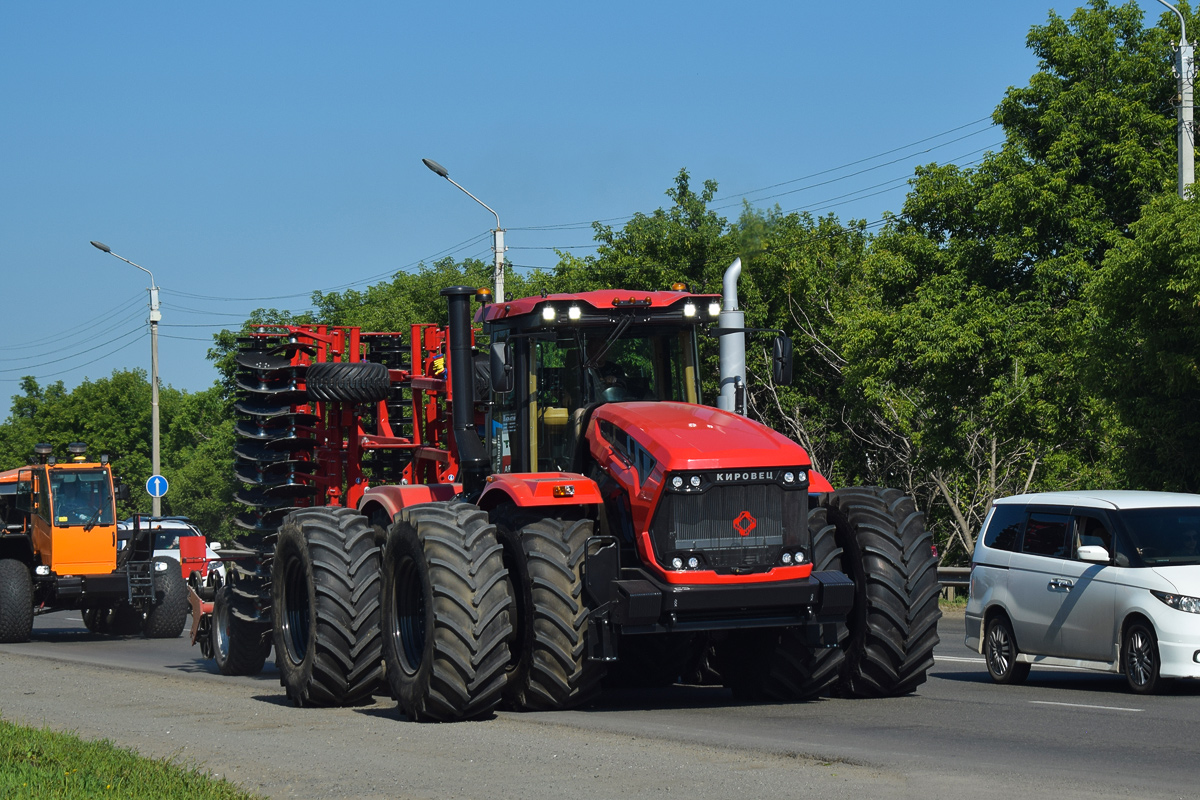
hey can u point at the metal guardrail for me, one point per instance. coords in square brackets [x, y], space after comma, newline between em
[954, 577]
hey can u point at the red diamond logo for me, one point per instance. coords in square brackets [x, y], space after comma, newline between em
[745, 523]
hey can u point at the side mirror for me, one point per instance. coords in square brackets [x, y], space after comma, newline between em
[1092, 553]
[781, 360]
[215, 546]
[121, 491]
[501, 368]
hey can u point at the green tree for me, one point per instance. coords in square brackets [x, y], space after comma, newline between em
[1144, 344]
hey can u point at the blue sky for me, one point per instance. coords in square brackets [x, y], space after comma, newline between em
[250, 153]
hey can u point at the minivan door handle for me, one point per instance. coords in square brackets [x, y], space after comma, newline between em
[1060, 583]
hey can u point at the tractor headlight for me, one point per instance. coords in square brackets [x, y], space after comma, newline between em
[1179, 602]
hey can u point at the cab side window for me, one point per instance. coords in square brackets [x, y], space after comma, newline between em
[1046, 535]
[1004, 530]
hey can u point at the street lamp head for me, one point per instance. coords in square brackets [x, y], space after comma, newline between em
[102, 246]
[437, 168]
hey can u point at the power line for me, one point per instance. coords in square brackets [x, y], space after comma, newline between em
[83, 327]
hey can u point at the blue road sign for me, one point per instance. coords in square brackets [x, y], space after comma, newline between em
[156, 486]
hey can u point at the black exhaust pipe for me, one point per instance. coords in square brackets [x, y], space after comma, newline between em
[474, 463]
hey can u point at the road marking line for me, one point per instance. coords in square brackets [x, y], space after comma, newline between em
[1081, 705]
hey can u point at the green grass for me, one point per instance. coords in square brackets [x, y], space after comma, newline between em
[45, 764]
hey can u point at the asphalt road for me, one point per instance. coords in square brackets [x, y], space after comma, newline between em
[1066, 733]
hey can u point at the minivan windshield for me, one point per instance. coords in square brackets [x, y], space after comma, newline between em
[1164, 535]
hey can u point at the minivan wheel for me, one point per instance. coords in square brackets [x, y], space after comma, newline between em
[1140, 658]
[1000, 652]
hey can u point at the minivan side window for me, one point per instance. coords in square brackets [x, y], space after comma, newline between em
[1046, 535]
[1004, 531]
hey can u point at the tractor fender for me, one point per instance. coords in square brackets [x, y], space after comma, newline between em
[385, 502]
[818, 483]
[534, 489]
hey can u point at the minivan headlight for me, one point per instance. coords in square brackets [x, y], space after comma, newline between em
[1180, 602]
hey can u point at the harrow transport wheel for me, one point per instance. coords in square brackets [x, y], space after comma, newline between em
[325, 602]
[893, 624]
[16, 601]
[239, 647]
[166, 617]
[347, 382]
[447, 612]
[549, 668]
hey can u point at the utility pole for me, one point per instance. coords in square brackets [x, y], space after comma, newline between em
[1184, 63]
[155, 317]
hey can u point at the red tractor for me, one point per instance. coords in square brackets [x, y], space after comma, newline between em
[518, 524]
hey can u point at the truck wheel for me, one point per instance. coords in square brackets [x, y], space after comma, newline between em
[347, 382]
[166, 616]
[16, 601]
[325, 607]
[549, 668]
[893, 624]
[239, 647]
[447, 612]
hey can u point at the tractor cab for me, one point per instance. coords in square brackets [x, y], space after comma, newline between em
[555, 359]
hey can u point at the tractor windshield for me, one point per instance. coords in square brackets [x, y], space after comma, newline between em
[81, 497]
[582, 368]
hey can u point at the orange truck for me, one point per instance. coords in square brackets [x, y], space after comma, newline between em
[58, 550]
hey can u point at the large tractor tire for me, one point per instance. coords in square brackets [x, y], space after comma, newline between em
[447, 612]
[549, 667]
[886, 550]
[347, 382]
[239, 647]
[325, 607]
[16, 601]
[166, 616]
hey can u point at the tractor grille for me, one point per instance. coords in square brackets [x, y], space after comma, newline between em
[738, 528]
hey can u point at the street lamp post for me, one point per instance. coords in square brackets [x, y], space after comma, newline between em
[1184, 57]
[497, 233]
[155, 316]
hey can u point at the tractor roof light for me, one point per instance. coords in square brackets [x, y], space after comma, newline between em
[689, 309]
[483, 295]
[714, 309]
[574, 312]
[679, 286]
[43, 449]
[77, 448]
[549, 314]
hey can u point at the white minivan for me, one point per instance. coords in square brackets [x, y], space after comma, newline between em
[1106, 580]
